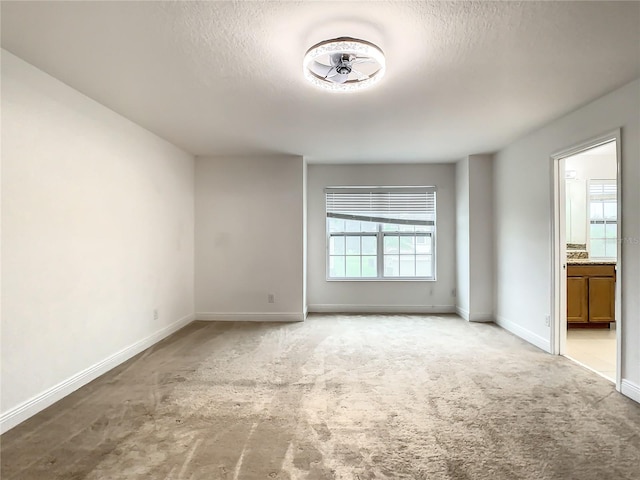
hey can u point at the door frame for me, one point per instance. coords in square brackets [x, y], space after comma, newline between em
[558, 250]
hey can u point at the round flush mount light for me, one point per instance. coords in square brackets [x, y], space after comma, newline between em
[344, 64]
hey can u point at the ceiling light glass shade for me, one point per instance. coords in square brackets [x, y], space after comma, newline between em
[361, 64]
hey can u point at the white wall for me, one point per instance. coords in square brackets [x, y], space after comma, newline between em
[592, 166]
[390, 296]
[576, 210]
[523, 185]
[481, 237]
[97, 232]
[474, 237]
[249, 240]
[587, 167]
[462, 238]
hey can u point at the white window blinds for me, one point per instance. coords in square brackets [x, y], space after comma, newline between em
[395, 205]
[603, 190]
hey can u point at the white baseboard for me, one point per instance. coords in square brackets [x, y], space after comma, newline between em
[481, 317]
[251, 317]
[347, 308]
[27, 409]
[630, 390]
[474, 317]
[535, 339]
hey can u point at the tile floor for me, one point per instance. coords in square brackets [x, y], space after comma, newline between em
[595, 349]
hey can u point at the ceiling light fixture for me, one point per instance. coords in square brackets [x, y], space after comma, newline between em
[344, 64]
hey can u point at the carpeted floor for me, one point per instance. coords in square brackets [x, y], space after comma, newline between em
[337, 397]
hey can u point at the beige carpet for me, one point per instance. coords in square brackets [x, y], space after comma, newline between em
[337, 397]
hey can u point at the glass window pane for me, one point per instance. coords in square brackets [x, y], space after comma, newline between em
[389, 227]
[353, 245]
[336, 225]
[423, 266]
[336, 245]
[611, 230]
[611, 248]
[407, 228]
[336, 267]
[368, 227]
[422, 228]
[596, 210]
[353, 266]
[352, 226]
[369, 266]
[423, 244]
[391, 266]
[369, 245]
[391, 244]
[597, 230]
[610, 210]
[597, 248]
[407, 265]
[407, 244]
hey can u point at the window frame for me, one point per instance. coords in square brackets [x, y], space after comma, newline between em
[604, 221]
[380, 234]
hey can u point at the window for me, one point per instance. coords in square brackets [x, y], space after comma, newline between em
[376, 233]
[603, 218]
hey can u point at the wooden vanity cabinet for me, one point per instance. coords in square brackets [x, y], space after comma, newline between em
[577, 299]
[591, 293]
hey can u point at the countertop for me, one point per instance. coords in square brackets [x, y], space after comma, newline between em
[589, 261]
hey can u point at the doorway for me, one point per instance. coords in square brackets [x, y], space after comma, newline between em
[587, 282]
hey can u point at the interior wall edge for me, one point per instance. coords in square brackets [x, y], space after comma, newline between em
[462, 312]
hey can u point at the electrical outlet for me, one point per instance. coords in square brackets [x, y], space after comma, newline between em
[547, 320]
[271, 298]
[155, 314]
[453, 292]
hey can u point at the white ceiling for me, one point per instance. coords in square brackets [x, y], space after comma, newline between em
[222, 78]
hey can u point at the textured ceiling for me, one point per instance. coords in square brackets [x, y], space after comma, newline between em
[223, 78]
